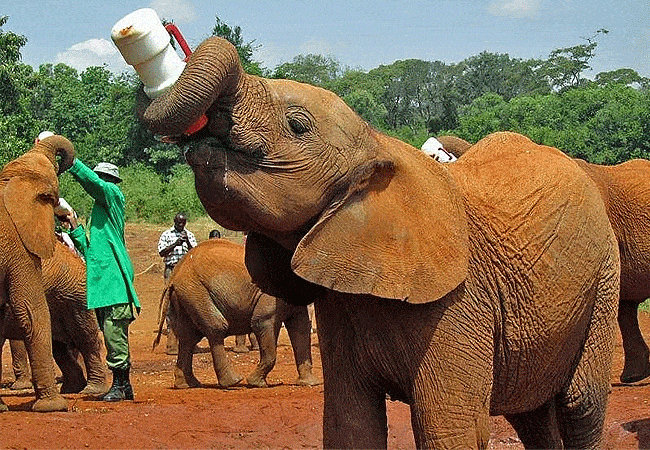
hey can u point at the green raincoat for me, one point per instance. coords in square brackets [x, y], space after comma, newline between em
[109, 272]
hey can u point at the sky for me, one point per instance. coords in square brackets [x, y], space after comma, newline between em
[359, 34]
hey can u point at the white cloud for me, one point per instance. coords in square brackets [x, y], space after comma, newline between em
[515, 8]
[93, 52]
[178, 11]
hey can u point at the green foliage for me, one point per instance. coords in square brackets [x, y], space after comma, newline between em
[564, 66]
[10, 44]
[606, 120]
[244, 49]
[318, 70]
[604, 125]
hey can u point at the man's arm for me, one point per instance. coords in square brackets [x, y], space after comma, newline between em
[98, 189]
[165, 249]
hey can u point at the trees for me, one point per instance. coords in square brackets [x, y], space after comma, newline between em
[606, 120]
[314, 69]
[245, 49]
[564, 66]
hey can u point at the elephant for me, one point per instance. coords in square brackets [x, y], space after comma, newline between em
[484, 287]
[210, 294]
[74, 326]
[626, 191]
[624, 187]
[30, 191]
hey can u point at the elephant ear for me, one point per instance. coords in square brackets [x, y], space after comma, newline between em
[399, 233]
[269, 266]
[30, 204]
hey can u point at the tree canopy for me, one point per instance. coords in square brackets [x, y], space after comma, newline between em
[605, 119]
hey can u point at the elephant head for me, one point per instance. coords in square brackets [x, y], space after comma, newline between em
[294, 163]
[32, 192]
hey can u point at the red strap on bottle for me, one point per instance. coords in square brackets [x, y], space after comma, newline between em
[197, 126]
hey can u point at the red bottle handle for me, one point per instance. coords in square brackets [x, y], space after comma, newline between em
[174, 31]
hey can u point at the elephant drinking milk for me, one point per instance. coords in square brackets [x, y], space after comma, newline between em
[30, 191]
[485, 287]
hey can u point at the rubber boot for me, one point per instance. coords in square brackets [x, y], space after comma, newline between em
[121, 388]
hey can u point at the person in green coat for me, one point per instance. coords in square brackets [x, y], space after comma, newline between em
[109, 272]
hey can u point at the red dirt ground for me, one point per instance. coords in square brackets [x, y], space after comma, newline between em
[281, 417]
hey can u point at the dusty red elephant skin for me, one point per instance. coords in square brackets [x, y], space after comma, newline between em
[283, 416]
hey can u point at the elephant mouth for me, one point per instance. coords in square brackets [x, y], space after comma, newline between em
[214, 153]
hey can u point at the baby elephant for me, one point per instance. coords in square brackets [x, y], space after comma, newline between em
[210, 294]
[74, 327]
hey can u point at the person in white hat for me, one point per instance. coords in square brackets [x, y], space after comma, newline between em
[109, 272]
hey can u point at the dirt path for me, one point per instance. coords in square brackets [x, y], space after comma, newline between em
[284, 416]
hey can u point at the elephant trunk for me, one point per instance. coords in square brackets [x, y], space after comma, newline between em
[214, 71]
[57, 146]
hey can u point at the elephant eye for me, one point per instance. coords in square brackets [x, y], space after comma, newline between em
[299, 122]
[297, 126]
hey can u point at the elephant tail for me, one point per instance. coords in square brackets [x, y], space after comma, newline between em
[162, 313]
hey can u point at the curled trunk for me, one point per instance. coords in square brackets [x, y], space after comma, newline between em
[57, 146]
[213, 71]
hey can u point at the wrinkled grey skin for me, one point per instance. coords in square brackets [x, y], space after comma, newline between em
[463, 290]
[74, 326]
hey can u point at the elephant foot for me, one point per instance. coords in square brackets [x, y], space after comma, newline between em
[182, 384]
[309, 380]
[633, 375]
[70, 388]
[255, 380]
[21, 383]
[50, 404]
[240, 349]
[3, 407]
[95, 389]
[230, 380]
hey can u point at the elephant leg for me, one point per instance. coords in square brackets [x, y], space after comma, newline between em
[299, 330]
[267, 333]
[637, 363]
[537, 428]
[183, 372]
[226, 374]
[253, 340]
[240, 344]
[30, 308]
[73, 376]
[354, 414]
[360, 420]
[96, 372]
[20, 366]
[580, 409]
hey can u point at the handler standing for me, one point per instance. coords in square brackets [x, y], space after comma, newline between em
[109, 272]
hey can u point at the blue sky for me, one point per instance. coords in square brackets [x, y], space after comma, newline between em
[360, 34]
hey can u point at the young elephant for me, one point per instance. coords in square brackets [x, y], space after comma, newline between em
[74, 326]
[626, 190]
[210, 294]
[486, 286]
[29, 191]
